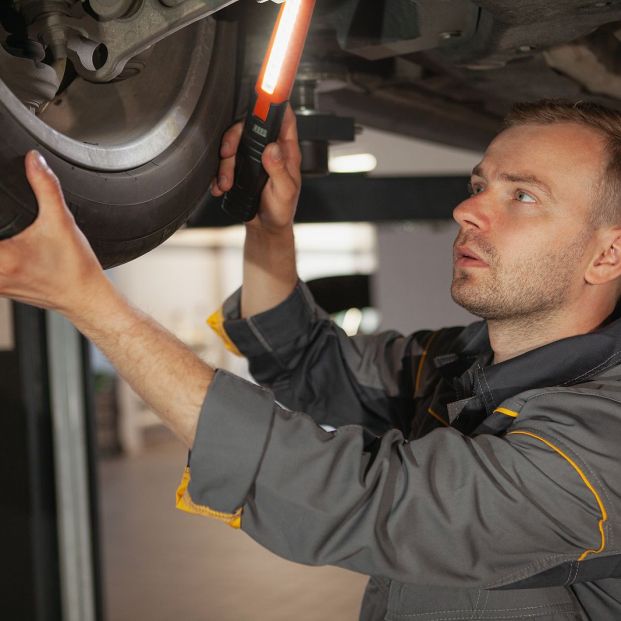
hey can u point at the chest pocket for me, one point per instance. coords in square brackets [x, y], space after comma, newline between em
[425, 603]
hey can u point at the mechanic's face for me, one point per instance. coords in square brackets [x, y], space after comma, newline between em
[525, 239]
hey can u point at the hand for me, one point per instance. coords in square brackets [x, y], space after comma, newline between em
[50, 264]
[281, 161]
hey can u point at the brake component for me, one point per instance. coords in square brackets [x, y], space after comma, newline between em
[102, 40]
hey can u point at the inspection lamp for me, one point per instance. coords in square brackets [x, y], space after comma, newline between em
[267, 108]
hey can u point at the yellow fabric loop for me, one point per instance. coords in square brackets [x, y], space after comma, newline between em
[421, 363]
[216, 323]
[437, 417]
[507, 412]
[185, 503]
[593, 491]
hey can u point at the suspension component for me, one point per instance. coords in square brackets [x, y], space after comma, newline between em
[44, 21]
[100, 43]
[317, 130]
[21, 54]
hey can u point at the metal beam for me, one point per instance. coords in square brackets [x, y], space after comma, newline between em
[358, 198]
[406, 112]
[71, 468]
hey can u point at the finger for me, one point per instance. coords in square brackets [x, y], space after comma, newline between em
[226, 170]
[214, 189]
[226, 174]
[283, 184]
[230, 140]
[44, 184]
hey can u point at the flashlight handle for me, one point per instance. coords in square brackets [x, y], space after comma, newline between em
[243, 199]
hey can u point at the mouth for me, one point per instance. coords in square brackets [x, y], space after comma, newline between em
[465, 257]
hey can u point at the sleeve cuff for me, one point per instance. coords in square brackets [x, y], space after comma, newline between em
[273, 329]
[231, 435]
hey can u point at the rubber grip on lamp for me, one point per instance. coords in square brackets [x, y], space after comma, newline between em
[242, 200]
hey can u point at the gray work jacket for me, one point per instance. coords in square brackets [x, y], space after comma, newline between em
[465, 490]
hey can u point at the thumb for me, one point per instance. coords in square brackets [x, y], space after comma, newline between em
[44, 182]
[275, 165]
[274, 162]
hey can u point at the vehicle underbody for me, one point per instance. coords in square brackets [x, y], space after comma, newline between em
[128, 99]
[444, 70]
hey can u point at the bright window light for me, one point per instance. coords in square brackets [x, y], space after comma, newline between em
[281, 43]
[358, 162]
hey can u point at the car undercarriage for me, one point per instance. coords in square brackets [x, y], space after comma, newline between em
[112, 89]
[440, 63]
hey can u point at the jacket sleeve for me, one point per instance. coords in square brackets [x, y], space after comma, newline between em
[311, 365]
[442, 510]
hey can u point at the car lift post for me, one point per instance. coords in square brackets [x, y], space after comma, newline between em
[49, 534]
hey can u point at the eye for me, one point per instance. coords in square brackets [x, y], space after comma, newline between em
[474, 188]
[525, 197]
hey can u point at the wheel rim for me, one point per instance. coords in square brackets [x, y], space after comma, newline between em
[125, 124]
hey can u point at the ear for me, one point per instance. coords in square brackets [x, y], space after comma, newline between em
[606, 266]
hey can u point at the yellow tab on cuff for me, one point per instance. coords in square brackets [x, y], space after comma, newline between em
[185, 503]
[216, 323]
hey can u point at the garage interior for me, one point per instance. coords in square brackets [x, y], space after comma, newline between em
[90, 530]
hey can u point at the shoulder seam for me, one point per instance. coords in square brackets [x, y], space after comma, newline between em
[566, 390]
[602, 366]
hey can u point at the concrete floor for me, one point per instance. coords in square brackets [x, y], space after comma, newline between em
[161, 564]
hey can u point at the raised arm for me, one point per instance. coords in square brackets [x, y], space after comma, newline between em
[292, 345]
[269, 252]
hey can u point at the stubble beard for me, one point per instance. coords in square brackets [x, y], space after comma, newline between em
[536, 286]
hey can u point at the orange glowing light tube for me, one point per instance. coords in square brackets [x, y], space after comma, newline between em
[264, 118]
[283, 57]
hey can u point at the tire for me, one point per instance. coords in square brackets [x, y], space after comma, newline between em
[129, 185]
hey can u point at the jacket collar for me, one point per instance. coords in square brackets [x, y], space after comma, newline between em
[480, 387]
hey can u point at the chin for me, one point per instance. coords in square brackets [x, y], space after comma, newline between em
[468, 299]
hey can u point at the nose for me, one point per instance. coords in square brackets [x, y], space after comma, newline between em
[472, 213]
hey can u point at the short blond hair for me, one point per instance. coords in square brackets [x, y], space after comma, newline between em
[607, 206]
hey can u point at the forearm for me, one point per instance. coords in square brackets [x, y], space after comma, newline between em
[270, 273]
[169, 377]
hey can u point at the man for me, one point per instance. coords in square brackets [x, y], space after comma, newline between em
[474, 473]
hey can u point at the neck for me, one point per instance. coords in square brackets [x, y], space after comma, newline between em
[511, 337]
